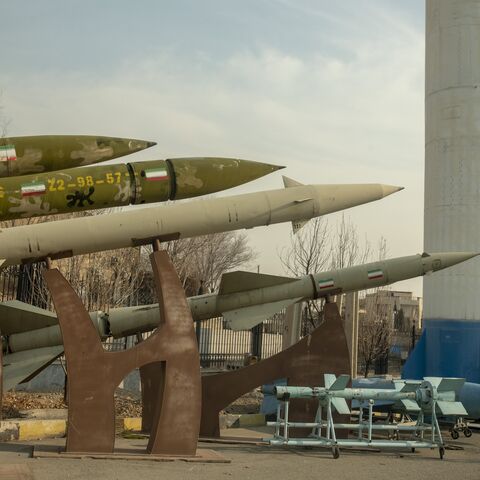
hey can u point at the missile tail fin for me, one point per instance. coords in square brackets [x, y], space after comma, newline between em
[329, 379]
[23, 366]
[248, 317]
[289, 182]
[340, 383]
[410, 405]
[340, 405]
[298, 225]
[239, 281]
[18, 317]
[451, 408]
[451, 384]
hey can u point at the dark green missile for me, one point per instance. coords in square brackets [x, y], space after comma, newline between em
[48, 153]
[107, 186]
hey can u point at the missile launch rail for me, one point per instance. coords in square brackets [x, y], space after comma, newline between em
[427, 399]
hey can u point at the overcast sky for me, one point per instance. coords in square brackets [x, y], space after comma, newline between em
[332, 90]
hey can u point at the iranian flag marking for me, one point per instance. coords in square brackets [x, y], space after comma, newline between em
[373, 274]
[154, 175]
[7, 153]
[328, 283]
[35, 188]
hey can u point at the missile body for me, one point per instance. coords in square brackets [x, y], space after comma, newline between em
[47, 153]
[244, 299]
[106, 186]
[469, 394]
[64, 238]
[411, 396]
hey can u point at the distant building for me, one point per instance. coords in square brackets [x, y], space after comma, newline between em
[403, 313]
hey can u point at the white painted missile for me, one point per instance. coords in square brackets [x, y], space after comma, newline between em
[296, 203]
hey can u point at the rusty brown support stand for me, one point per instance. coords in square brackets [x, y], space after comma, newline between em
[325, 350]
[94, 374]
[1, 376]
[151, 381]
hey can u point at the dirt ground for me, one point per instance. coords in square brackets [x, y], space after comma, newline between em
[260, 462]
[126, 404]
[14, 403]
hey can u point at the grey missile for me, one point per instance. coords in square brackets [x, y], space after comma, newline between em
[296, 203]
[244, 299]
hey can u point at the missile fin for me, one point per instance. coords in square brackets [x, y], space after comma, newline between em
[340, 383]
[450, 384]
[248, 317]
[406, 385]
[18, 317]
[22, 366]
[341, 405]
[239, 281]
[399, 385]
[435, 381]
[289, 182]
[329, 379]
[452, 408]
[410, 405]
[296, 226]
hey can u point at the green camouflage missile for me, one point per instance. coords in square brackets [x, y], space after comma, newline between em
[107, 186]
[48, 153]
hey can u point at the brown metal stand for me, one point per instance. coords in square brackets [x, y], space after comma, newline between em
[170, 353]
[325, 350]
[1, 377]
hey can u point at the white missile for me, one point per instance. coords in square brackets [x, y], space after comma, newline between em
[296, 203]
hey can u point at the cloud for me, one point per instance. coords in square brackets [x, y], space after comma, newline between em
[349, 117]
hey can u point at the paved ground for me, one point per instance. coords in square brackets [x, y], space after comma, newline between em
[260, 462]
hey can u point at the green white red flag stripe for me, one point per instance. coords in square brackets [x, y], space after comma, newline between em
[326, 283]
[7, 153]
[35, 188]
[156, 174]
[373, 274]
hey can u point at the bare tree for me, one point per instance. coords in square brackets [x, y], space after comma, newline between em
[201, 261]
[314, 249]
[347, 250]
[309, 252]
[221, 253]
[4, 120]
[375, 332]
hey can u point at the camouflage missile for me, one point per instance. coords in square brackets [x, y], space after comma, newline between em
[77, 236]
[102, 186]
[47, 153]
[244, 299]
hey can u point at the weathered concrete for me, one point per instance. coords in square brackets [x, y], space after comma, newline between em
[259, 461]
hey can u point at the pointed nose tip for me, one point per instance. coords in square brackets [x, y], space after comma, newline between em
[449, 259]
[135, 145]
[389, 189]
[252, 170]
[274, 168]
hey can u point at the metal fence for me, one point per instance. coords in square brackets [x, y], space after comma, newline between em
[223, 348]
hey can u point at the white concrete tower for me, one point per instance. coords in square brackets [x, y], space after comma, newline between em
[452, 155]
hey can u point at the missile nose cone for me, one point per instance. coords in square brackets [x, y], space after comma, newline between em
[441, 260]
[205, 175]
[389, 189]
[135, 145]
